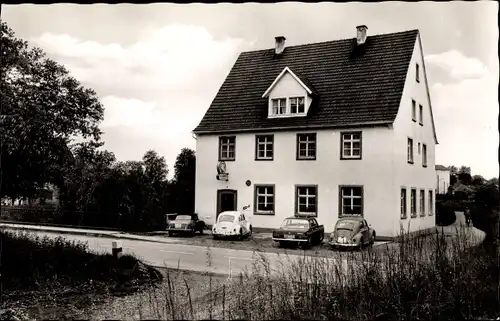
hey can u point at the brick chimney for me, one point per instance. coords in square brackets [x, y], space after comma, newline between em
[361, 34]
[280, 45]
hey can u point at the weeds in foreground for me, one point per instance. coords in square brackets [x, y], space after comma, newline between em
[425, 277]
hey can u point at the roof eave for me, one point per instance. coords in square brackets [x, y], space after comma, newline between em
[292, 128]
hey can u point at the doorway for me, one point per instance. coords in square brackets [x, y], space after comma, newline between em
[226, 200]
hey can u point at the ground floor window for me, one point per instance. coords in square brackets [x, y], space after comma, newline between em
[306, 200]
[351, 200]
[403, 203]
[422, 202]
[413, 203]
[264, 199]
[431, 203]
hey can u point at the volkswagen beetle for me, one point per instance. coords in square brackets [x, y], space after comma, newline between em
[352, 232]
[231, 224]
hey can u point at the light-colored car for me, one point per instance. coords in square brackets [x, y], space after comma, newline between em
[352, 232]
[231, 224]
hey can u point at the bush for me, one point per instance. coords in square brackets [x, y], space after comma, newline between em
[445, 213]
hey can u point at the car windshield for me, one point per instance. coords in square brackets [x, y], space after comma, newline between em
[183, 218]
[345, 225]
[226, 218]
[296, 223]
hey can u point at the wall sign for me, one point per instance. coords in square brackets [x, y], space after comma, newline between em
[222, 174]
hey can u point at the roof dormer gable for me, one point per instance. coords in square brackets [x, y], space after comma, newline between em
[290, 95]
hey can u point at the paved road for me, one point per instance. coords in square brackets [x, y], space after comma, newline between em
[186, 257]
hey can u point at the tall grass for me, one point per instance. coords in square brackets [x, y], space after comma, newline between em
[425, 277]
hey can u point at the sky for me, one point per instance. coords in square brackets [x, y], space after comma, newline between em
[157, 67]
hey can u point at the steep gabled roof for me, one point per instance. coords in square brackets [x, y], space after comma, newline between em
[354, 85]
[300, 79]
[441, 168]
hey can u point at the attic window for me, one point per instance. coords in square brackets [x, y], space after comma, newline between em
[279, 106]
[297, 105]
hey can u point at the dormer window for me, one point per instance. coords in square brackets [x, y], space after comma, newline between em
[297, 105]
[279, 106]
[290, 95]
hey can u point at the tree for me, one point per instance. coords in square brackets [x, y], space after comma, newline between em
[184, 180]
[43, 107]
[478, 180]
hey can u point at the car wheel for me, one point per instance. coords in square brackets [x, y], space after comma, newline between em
[201, 229]
[215, 237]
[240, 236]
[308, 243]
[321, 238]
[250, 231]
[281, 244]
[361, 242]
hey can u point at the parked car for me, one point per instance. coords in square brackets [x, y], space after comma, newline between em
[303, 230]
[231, 224]
[185, 224]
[352, 232]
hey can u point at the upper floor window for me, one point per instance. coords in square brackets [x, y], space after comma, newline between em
[413, 110]
[264, 147]
[417, 75]
[306, 200]
[297, 105]
[351, 145]
[306, 146]
[431, 203]
[279, 106]
[227, 148]
[421, 114]
[410, 151]
[424, 155]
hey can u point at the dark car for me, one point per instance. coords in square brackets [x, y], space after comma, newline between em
[352, 232]
[299, 230]
[185, 224]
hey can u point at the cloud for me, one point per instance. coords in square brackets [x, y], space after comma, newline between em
[457, 65]
[156, 89]
[466, 119]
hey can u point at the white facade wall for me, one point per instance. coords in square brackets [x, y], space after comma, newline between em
[415, 175]
[328, 171]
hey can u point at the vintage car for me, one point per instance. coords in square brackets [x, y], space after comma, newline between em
[302, 230]
[231, 224]
[185, 224]
[352, 232]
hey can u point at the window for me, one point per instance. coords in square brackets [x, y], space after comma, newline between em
[351, 200]
[403, 203]
[297, 105]
[264, 199]
[417, 76]
[227, 148]
[422, 202]
[431, 203]
[279, 106]
[413, 110]
[410, 151]
[424, 155]
[306, 146]
[306, 200]
[413, 203]
[264, 147]
[421, 115]
[351, 145]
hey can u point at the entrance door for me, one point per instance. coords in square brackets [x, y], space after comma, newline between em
[226, 200]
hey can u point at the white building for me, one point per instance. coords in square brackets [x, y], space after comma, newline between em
[324, 129]
[443, 179]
